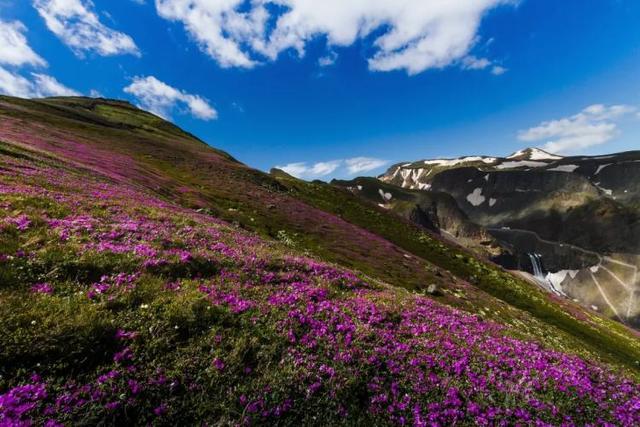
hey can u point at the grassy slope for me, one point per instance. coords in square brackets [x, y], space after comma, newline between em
[316, 218]
[197, 322]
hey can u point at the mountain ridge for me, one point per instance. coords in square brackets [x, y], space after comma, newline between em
[586, 202]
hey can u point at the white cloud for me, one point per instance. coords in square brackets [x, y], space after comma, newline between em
[48, 86]
[39, 86]
[473, 63]
[328, 60]
[325, 168]
[498, 70]
[160, 98]
[14, 85]
[15, 53]
[316, 170]
[595, 125]
[410, 35]
[364, 164]
[79, 27]
[350, 166]
[15, 50]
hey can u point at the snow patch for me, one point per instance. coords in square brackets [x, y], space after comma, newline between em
[521, 164]
[565, 168]
[492, 202]
[535, 154]
[476, 198]
[594, 269]
[558, 277]
[602, 167]
[385, 196]
[359, 187]
[454, 162]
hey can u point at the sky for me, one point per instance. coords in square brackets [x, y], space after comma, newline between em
[344, 88]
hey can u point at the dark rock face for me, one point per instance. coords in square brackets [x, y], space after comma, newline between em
[509, 193]
[435, 211]
[574, 214]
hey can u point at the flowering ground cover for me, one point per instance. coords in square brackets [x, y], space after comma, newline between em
[121, 307]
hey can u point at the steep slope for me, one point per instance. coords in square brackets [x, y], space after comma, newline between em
[134, 147]
[579, 215]
[437, 212]
[125, 300]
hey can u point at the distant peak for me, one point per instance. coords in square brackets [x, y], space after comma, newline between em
[533, 153]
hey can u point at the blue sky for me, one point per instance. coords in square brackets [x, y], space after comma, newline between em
[345, 87]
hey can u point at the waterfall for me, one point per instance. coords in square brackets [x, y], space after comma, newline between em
[537, 266]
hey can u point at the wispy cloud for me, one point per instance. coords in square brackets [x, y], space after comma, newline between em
[471, 62]
[409, 35]
[364, 164]
[161, 99]
[595, 125]
[75, 23]
[350, 166]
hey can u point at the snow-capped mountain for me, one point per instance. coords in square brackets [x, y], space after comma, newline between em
[579, 216]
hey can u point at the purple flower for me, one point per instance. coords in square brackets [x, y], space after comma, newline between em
[218, 364]
[21, 222]
[42, 288]
[124, 335]
[160, 410]
[124, 355]
[134, 387]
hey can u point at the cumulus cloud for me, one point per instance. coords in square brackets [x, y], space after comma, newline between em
[74, 22]
[351, 166]
[410, 35]
[161, 99]
[38, 86]
[595, 125]
[15, 54]
[15, 50]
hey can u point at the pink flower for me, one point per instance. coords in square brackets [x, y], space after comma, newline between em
[218, 364]
[42, 288]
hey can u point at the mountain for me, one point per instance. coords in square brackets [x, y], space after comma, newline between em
[578, 217]
[147, 278]
[437, 212]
